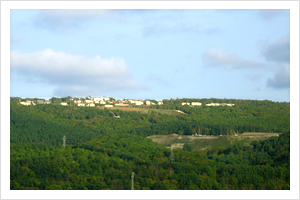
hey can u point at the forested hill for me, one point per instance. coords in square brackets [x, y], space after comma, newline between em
[102, 151]
[107, 162]
[34, 123]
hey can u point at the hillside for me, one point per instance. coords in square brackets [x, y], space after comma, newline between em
[101, 151]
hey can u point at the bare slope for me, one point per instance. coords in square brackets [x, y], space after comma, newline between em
[201, 143]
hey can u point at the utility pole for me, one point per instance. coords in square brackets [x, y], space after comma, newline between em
[64, 141]
[132, 177]
[172, 155]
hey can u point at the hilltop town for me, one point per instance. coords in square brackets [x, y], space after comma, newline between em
[105, 102]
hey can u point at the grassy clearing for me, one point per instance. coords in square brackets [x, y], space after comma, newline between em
[208, 143]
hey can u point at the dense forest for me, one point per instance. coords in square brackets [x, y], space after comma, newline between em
[101, 151]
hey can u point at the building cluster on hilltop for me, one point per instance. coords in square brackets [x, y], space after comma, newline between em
[208, 104]
[92, 101]
[110, 102]
[29, 102]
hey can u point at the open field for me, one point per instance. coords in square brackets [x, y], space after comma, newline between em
[202, 143]
[143, 110]
[258, 134]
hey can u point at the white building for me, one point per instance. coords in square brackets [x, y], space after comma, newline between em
[136, 102]
[160, 103]
[108, 106]
[89, 101]
[90, 105]
[80, 104]
[121, 104]
[218, 104]
[63, 103]
[196, 104]
[25, 103]
[185, 103]
[100, 99]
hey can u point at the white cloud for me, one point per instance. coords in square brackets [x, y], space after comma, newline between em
[281, 79]
[76, 74]
[278, 51]
[217, 57]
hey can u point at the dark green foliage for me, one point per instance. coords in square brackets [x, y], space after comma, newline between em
[102, 151]
[187, 147]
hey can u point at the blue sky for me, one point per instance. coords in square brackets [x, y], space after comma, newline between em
[156, 54]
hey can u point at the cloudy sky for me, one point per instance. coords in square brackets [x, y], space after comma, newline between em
[156, 54]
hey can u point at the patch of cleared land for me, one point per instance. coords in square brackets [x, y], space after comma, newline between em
[180, 112]
[202, 143]
[142, 110]
[258, 134]
[176, 140]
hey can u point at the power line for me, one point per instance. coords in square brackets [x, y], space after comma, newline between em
[172, 155]
[132, 184]
[64, 141]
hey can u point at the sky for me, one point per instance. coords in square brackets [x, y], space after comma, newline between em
[151, 53]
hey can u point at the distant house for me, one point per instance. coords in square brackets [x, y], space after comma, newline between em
[63, 103]
[98, 99]
[80, 104]
[196, 104]
[25, 103]
[218, 104]
[40, 101]
[160, 103]
[105, 98]
[89, 101]
[185, 103]
[213, 104]
[148, 103]
[230, 104]
[108, 106]
[90, 105]
[121, 104]
[138, 103]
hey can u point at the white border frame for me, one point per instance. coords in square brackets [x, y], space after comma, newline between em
[293, 193]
